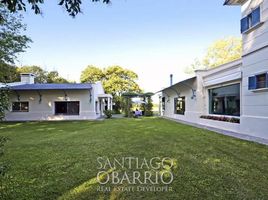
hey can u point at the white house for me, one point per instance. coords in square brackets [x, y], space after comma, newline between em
[31, 101]
[234, 92]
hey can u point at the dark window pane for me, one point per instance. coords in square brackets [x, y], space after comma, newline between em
[67, 108]
[261, 81]
[16, 106]
[252, 83]
[244, 24]
[267, 79]
[73, 108]
[24, 106]
[20, 106]
[256, 16]
[225, 100]
[179, 105]
[60, 108]
[163, 103]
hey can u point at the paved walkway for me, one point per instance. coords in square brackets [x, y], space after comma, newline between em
[224, 132]
[118, 116]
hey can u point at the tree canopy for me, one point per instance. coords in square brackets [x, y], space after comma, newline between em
[115, 80]
[91, 74]
[10, 73]
[41, 75]
[12, 40]
[220, 52]
[73, 7]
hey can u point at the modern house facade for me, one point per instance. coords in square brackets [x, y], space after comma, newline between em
[233, 96]
[30, 101]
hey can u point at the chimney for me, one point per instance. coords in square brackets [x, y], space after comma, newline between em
[171, 79]
[27, 78]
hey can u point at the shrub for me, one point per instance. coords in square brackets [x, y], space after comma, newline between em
[149, 107]
[108, 113]
[223, 118]
[4, 102]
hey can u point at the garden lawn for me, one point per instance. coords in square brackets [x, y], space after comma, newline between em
[58, 160]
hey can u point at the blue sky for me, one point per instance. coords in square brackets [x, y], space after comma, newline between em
[153, 38]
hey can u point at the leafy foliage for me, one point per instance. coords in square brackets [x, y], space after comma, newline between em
[108, 113]
[119, 80]
[149, 107]
[222, 118]
[12, 41]
[91, 74]
[115, 80]
[8, 73]
[220, 52]
[73, 7]
[41, 75]
[54, 77]
[4, 102]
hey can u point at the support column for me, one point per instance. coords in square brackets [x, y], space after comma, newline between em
[108, 103]
[111, 104]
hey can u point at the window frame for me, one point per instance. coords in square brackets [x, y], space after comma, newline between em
[163, 103]
[20, 106]
[67, 113]
[249, 19]
[222, 86]
[176, 102]
[253, 82]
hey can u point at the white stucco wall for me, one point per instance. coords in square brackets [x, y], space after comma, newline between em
[192, 110]
[224, 75]
[254, 120]
[256, 38]
[46, 109]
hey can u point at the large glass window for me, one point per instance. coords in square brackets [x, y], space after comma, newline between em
[67, 108]
[179, 105]
[225, 100]
[20, 106]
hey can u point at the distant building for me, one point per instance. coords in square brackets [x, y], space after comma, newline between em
[71, 101]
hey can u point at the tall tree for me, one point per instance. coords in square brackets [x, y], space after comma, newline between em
[119, 80]
[91, 74]
[223, 51]
[12, 39]
[54, 77]
[220, 52]
[8, 73]
[115, 79]
[73, 7]
[40, 74]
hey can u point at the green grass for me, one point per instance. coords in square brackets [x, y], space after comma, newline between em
[58, 160]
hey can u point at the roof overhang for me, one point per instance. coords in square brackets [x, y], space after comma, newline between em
[39, 87]
[234, 2]
[176, 84]
[105, 96]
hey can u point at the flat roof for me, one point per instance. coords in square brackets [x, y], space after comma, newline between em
[52, 86]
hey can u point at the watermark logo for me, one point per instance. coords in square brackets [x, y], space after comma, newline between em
[136, 174]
